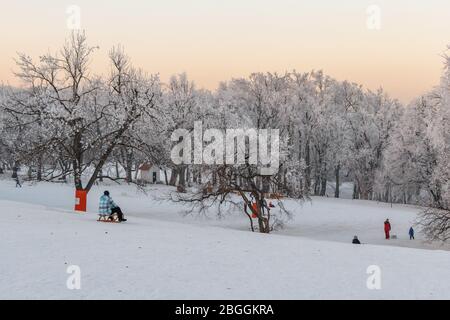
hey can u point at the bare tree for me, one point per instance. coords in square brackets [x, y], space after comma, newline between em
[80, 115]
[238, 186]
[435, 223]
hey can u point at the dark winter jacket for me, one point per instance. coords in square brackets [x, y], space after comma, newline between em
[411, 232]
[356, 241]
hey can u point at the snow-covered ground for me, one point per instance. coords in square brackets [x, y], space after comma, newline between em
[160, 253]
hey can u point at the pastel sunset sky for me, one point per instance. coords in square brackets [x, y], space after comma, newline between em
[215, 40]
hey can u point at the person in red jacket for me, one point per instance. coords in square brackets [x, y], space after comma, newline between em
[387, 229]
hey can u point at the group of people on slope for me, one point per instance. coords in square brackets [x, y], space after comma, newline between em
[387, 232]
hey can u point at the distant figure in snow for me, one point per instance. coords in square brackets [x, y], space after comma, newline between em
[387, 229]
[15, 176]
[411, 233]
[356, 240]
[107, 207]
[18, 185]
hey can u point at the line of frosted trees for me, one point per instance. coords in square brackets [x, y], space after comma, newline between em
[67, 124]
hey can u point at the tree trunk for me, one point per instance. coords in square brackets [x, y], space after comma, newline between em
[39, 168]
[182, 181]
[173, 177]
[337, 175]
[195, 175]
[100, 175]
[317, 185]
[308, 167]
[117, 170]
[165, 177]
[188, 176]
[323, 189]
[77, 161]
[265, 184]
[136, 170]
[355, 191]
[364, 194]
[129, 165]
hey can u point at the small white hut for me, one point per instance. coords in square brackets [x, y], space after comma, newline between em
[149, 173]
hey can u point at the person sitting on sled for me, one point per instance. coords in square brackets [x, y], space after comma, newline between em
[356, 240]
[107, 207]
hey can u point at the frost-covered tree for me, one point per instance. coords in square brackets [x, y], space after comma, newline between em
[410, 159]
[370, 119]
[184, 104]
[436, 220]
[74, 113]
[250, 104]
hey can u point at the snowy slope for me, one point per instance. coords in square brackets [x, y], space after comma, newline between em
[148, 258]
[162, 254]
[321, 218]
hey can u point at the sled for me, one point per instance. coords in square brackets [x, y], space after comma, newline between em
[111, 219]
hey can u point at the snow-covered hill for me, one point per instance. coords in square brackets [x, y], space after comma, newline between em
[320, 218]
[159, 254]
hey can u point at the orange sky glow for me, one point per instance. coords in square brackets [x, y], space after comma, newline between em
[215, 40]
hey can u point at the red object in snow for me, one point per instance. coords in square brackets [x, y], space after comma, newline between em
[255, 208]
[387, 229]
[81, 200]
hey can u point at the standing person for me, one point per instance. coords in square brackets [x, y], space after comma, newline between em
[18, 185]
[15, 176]
[107, 207]
[411, 233]
[387, 229]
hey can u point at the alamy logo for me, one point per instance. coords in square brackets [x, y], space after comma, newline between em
[373, 21]
[74, 17]
[228, 147]
[374, 280]
[74, 280]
